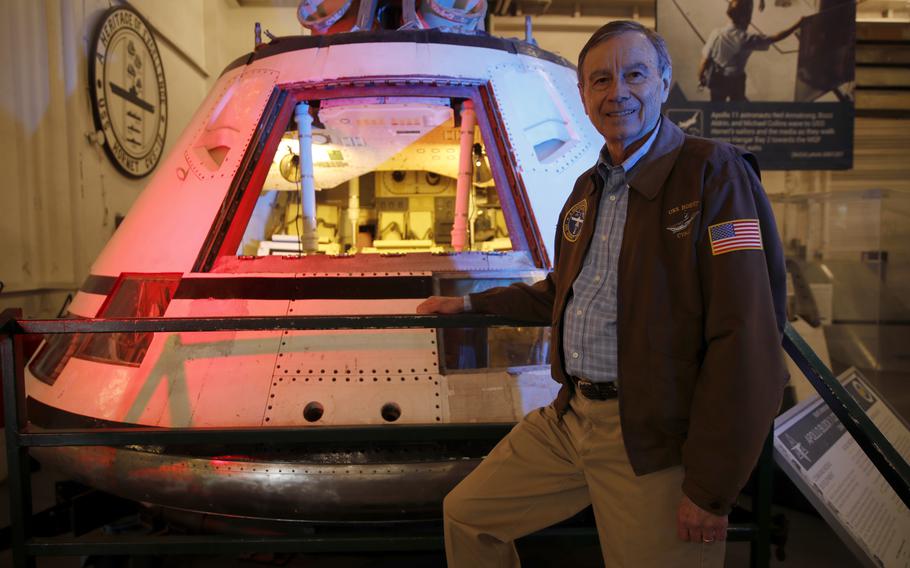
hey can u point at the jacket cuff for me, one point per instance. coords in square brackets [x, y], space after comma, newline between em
[707, 500]
[478, 303]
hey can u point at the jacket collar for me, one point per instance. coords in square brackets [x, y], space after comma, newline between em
[655, 166]
[652, 170]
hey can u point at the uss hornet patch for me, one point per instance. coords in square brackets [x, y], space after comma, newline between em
[575, 218]
[681, 227]
[687, 219]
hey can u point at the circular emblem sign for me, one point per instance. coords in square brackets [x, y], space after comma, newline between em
[575, 218]
[129, 95]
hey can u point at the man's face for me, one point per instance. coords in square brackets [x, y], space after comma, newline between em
[622, 89]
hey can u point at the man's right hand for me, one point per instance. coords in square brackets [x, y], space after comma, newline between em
[441, 305]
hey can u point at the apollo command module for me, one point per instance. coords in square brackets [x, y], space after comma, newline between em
[395, 153]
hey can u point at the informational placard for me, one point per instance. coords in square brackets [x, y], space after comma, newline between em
[828, 466]
[774, 77]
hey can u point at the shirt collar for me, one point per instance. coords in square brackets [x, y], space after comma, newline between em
[655, 165]
[604, 164]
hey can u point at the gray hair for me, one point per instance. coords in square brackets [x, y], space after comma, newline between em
[619, 27]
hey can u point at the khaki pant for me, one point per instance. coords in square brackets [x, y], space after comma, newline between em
[545, 471]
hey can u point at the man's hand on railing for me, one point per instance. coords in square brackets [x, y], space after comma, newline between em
[442, 305]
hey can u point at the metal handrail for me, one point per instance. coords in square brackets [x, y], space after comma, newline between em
[251, 435]
[20, 437]
[877, 448]
[13, 325]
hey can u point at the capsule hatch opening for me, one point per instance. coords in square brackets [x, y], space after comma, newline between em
[385, 172]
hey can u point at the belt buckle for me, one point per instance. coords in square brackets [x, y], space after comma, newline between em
[595, 391]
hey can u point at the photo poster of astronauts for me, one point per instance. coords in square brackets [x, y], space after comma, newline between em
[775, 77]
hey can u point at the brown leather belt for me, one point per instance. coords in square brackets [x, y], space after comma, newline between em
[595, 391]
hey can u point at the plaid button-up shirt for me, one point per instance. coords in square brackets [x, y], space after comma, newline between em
[589, 333]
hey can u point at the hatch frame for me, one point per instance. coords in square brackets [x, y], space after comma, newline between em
[227, 228]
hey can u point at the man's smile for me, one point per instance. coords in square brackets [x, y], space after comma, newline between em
[620, 113]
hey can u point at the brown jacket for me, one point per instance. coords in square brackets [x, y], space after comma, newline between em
[701, 370]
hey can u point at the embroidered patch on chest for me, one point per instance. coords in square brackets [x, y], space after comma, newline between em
[575, 218]
[739, 234]
[684, 223]
[681, 218]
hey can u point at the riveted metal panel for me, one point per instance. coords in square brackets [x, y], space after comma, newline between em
[293, 489]
[217, 378]
[352, 375]
[558, 104]
[355, 399]
[360, 353]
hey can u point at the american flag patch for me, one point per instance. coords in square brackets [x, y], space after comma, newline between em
[741, 234]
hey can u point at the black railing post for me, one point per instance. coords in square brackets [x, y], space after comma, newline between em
[760, 551]
[19, 481]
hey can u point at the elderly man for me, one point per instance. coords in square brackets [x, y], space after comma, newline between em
[667, 304]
